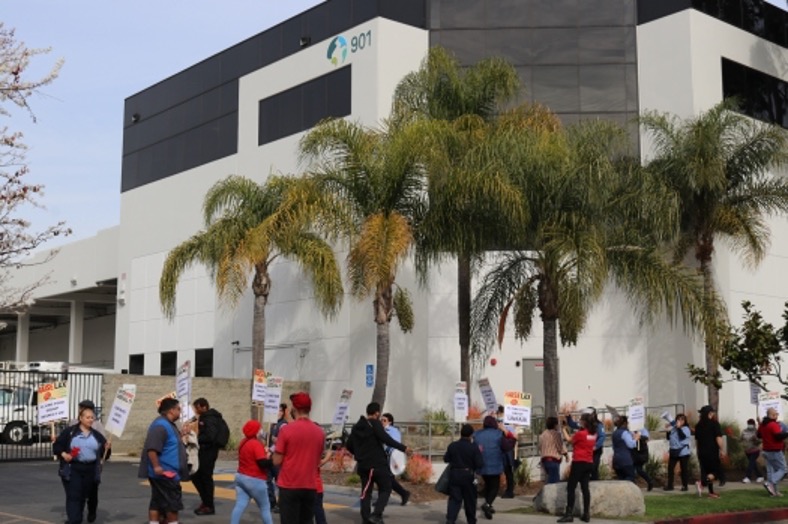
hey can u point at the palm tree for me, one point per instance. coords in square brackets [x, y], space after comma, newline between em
[375, 180]
[247, 226]
[594, 218]
[471, 201]
[718, 166]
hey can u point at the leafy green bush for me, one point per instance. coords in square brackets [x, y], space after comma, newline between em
[522, 475]
[353, 480]
[440, 421]
[736, 459]
[656, 468]
[653, 422]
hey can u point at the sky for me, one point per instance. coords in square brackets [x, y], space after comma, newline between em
[111, 50]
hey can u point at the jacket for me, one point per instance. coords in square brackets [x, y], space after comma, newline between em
[209, 428]
[63, 444]
[772, 434]
[490, 442]
[679, 438]
[623, 444]
[750, 441]
[367, 443]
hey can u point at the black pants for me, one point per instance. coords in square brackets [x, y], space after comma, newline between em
[203, 477]
[78, 489]
[642, 473]
[684, 463]
[625, 472]
[397, 488]
[492, 483]
[381, 477]
[93, 499]
[462, 493]
[296, 506]
[508, 471]
[272, 473]
[597, 459]
[580, 472]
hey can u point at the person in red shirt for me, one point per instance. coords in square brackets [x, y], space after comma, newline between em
[773, 444]
[297, 453]
[250, 480]
[583, 442]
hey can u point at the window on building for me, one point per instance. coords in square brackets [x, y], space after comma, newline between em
[136, 364]
[761, 96]
[169, 363]
[301, 107]
[203, 362]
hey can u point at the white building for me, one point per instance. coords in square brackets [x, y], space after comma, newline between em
[243, 110]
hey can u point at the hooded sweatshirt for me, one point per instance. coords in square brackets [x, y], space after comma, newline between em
[209, 428]
[367, 441]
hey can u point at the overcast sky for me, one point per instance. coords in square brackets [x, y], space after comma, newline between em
[112, 50]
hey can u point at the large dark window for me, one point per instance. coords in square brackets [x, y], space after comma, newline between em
[169, 363]
[136, 364]
[301, 107]
[203, 362]
[760, 95]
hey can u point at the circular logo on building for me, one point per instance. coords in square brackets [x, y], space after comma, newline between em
[337, 50]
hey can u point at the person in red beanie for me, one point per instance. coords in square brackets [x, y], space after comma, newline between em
[250, 480]
[299, 448]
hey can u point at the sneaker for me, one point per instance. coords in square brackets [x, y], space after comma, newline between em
[667, 488]
[713, 496]
[405, 498]
[204, 510]
[699, 488]
[746, 480]
[91, 517]
[770, 489]
[759, 479]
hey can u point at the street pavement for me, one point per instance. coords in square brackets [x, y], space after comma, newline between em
[31, 492]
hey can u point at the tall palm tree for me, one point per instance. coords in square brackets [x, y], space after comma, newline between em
[718, 165]
[247, 226]
[374, 179]
[594, 218]
[471, 199]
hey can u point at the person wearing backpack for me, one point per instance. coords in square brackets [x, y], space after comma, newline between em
[212, 435]
[640, 456]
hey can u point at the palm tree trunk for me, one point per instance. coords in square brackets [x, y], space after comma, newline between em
[261, 287]
[712, 361]
[382, 371]
[464, 316]
[550, 356]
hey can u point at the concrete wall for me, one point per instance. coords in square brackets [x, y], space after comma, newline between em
[228, 396]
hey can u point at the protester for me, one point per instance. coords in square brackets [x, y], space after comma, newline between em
[98, 426]
[282, 418]
[81, 450]
[209, 426]
[387, 419]
[250, 480]
[773, 436]
[640, 456]
[551, 450]
[708, 435]
[163, 463]
[508, 457]
[600, 437]
[492, 444]
[366, 443]
[679, 451]
[299, 447]
[623, 444]
[463, 458]
[752, 450]
[320, 511]
[583, 442]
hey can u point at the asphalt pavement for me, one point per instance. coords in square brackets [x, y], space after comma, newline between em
[31, 493]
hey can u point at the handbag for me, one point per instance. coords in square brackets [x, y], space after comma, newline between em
[442, 485]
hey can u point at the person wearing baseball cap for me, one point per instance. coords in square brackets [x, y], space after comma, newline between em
[298, 450]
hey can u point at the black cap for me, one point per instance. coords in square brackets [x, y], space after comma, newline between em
[87, 404]
[705, 410]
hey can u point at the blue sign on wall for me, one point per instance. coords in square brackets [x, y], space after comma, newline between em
[370, 375]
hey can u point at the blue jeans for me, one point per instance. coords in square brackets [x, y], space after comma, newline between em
[775, 466]
[553, 470]
[247, 488]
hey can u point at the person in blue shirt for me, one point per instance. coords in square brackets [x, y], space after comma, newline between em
[679, 451]
[490, 441]
[600, 438]
[387, 419]
[623, 444]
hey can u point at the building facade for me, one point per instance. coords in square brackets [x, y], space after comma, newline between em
[243, 111]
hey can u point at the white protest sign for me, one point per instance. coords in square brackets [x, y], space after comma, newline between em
[273, 395]
[636, 413]
[52, 402]
[259, 386]
[488, 395]
[183, 387]
[340, 413]
[755, 390]
[770, 399]
[517, 408]
[460, 407]
[121, 407]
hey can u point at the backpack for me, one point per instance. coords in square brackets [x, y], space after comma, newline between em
[222, 434]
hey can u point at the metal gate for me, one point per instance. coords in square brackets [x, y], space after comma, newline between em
[21, 437]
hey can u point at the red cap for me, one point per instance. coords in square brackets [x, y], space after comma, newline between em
[251, 428]
[301, 401]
